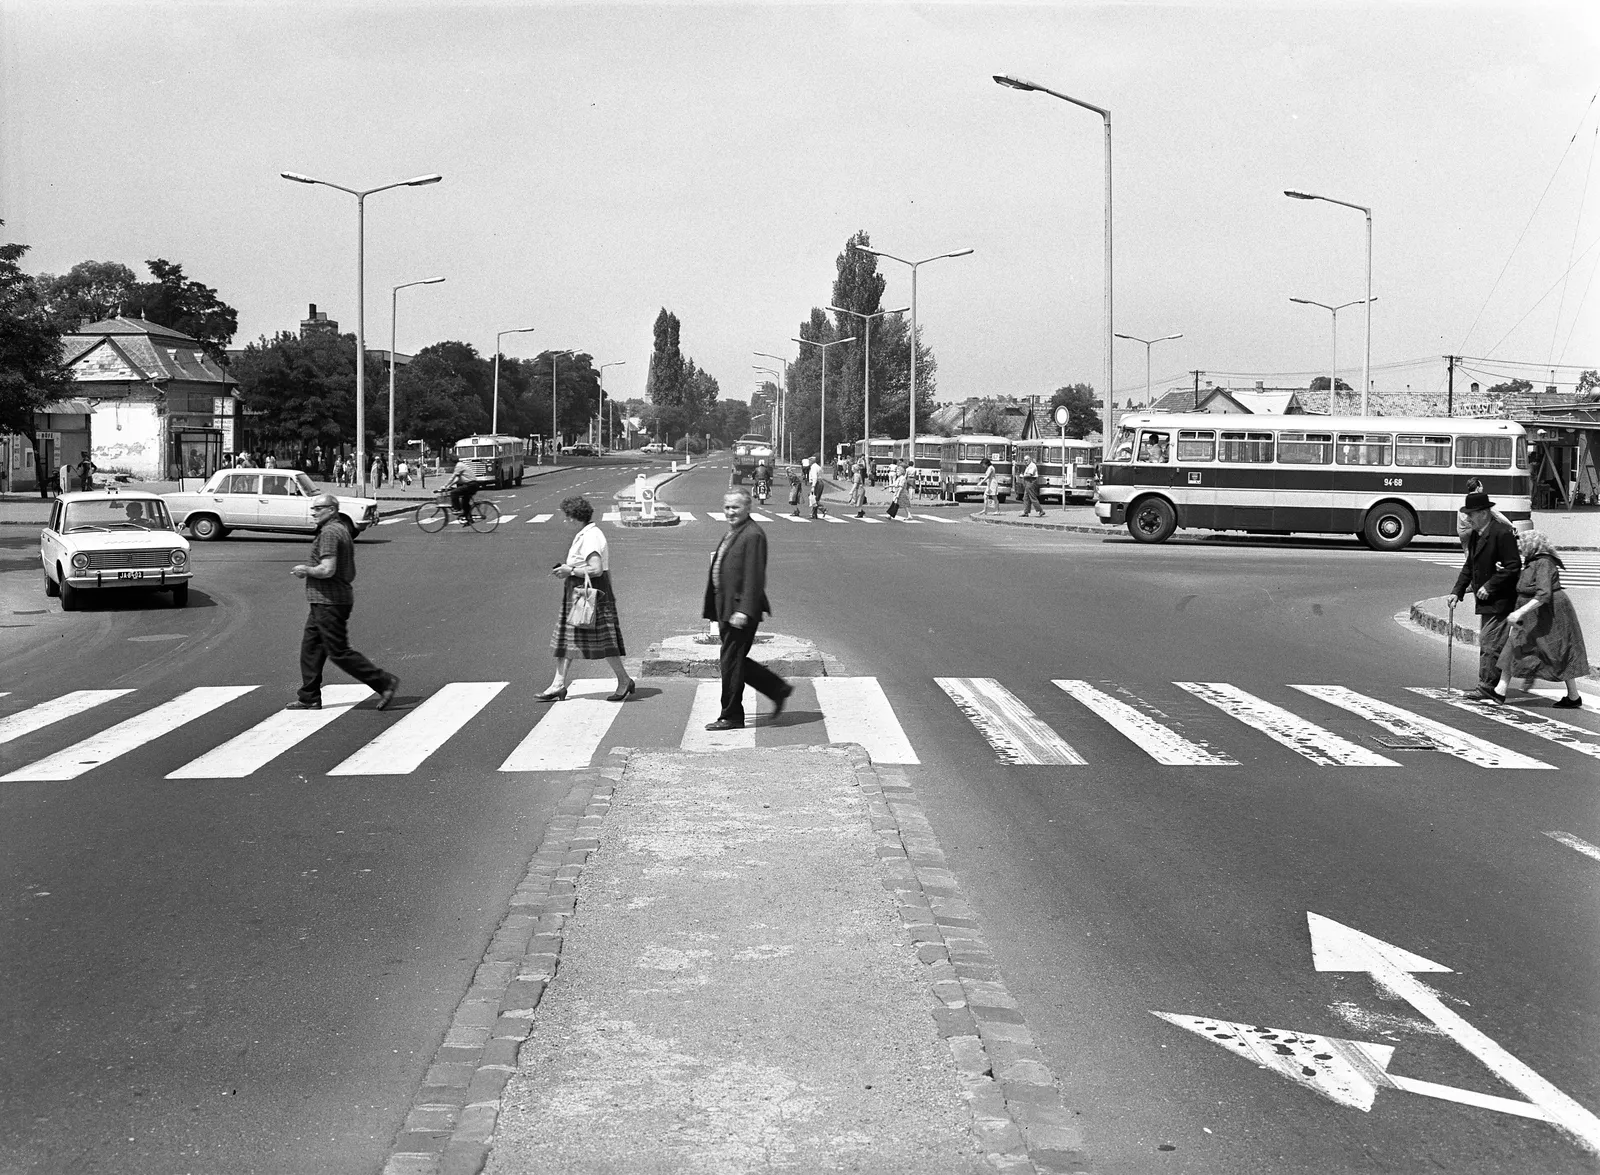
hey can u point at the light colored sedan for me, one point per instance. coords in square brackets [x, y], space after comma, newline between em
[110, 539]
[261, 499]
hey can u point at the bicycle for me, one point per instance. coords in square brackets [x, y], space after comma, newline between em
[433, 517]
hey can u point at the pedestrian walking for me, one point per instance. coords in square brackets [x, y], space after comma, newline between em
[1463, 527]
[587, 566]
[735, 603]
[402, 473]
[272, 462]
[330, 594]
[991, 486]
[858, 488]
[86, 472]
[1030, 487]
[796, 484]
[1545, 640]
[1490, 572]
[816, 486]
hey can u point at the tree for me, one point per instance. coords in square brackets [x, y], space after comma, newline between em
[1320, 384]
[435, 403]
[727, 420]
[301, 391]
[1080, 402]
[32, 372]
[989, 418]
[175, 301]
[1588, 383]
[1512, 387]
[88, 292]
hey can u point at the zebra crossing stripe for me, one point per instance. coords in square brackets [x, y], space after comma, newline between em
[855, 710]
[685, 516]
[935, 518]
[831, 518]
[1537, 725]
[129, 735]
[570, 732]
[910, 521]
[1403, 722]
[255, 748]
[759, 517]
[402, 748]
[792, 518]
[707, 707]
[611, 516]
[1575, 842]
[1322, 747]
[871, 521]
[508, 518]
[540, 518]
[391, 521]
[1161, 743]
[1014, 731]
[45, 713]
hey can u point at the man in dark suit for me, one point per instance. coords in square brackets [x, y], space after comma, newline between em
[735, 602]
[1490, 571]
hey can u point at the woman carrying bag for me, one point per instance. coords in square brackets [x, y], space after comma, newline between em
[589, 627]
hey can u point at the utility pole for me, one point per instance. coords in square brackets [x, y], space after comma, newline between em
[1450, 393]
[1196, 387]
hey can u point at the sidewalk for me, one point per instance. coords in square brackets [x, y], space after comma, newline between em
[753, 961]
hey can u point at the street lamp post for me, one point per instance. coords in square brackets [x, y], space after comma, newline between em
[1333, 367]
[1366, 363]
[822, 398]
[911, 433]
[394, 305]
[783, 401]
[866, 370]
[777, 382]
[361, 296]
[1020, 84]
[554, 355]
[494, 410]
[602, 413]
[1148, 343]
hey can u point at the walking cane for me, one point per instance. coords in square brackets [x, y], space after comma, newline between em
[1450, 651]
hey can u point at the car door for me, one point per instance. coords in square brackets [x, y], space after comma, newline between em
[233, 499]
[282, 505]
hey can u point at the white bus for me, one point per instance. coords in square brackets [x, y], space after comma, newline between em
[494, 460]
[1066, 466]
[1384, 479]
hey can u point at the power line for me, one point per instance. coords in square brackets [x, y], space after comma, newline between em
[1555, 331]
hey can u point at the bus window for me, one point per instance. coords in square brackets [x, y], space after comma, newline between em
[1124, 449]
[1522, 451]
[1483, 452]
[1357, 448]
[1196, 445]
[1430, 452]
[1305, 448]
[1155, 446]
[1246, 446]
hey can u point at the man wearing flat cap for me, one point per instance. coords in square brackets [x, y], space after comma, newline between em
[1490, 572]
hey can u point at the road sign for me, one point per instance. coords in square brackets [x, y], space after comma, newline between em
[1351, 1072]
[647, 496]
[1062, 415]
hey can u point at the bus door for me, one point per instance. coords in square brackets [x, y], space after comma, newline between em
[1195, 476]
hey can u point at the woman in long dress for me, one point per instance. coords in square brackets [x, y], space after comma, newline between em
[588, 556]
[1545, 640]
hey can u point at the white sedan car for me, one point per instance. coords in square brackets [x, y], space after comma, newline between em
[109, 539]
[261, 499]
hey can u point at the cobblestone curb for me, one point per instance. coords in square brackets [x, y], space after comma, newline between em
[1423, 616]
[452, 1119]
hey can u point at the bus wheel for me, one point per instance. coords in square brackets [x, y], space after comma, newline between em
[1152, 520]
[1389, 527]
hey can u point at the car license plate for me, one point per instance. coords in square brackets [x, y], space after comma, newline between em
[130, 575]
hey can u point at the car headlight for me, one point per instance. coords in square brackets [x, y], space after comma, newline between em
[80, 561]
[179, 556]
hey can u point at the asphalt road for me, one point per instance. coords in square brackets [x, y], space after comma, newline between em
[249, 975]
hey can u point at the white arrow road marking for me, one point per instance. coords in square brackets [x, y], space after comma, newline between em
[1578, 843]
[1538, 725]
[1321, 746]
[1014, 731]
[402, 748]
[45, 713]
[255, 748]
[707, 708]
[1160, 743]
[856, 710]
[1336, 947]
[130, 735]
[1403, 722]
[568, 735]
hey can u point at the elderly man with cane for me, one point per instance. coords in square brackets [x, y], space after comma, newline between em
[1490, 573]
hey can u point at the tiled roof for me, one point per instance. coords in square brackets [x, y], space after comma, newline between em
[122, 325]
[157, 352]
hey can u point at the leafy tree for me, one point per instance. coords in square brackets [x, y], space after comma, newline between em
[179, 302]
[301, 391]
[577, 389]
[727, 420]
[1588, 383]
[664, 384]
[88, 292]
[989, 418]
[1320, 384]
[435, 403]
[32, 373]
[1080, 402]
[1512, 387]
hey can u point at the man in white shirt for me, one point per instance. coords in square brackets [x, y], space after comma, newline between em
[1030, 488]
[816, 487]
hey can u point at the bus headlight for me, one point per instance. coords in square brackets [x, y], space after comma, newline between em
[179, 556]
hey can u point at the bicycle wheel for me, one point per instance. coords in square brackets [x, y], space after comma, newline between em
[485, 516]
[432, 516]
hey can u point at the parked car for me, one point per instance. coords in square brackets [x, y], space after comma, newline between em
[101, 539]
[261, 499]
[657, 447]
[580, 449]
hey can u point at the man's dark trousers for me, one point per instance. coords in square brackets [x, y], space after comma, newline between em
[1492, 634]
[738, 670]
[327, 638]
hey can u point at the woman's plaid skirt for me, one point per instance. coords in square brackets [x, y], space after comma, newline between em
[600, 640]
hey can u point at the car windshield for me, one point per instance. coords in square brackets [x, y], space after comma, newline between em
[305, 484]
[107, 514]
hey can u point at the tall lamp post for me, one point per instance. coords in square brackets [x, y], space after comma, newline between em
[1148, 343]
[783, 401]
[494, 410]
[361, 296]
[822, 399]
[1366, 363]
[866, 371]
[602, 413]
[554, 355]
[394, 306]
[1020, 84]
[911, 433]
[777, 382]
[1333, 367]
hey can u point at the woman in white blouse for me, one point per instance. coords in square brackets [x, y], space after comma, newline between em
[588, 563]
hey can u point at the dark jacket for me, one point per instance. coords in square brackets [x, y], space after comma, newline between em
[1492, 562]
[743, 585]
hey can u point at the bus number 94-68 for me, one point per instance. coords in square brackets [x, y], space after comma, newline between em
[1394, 481]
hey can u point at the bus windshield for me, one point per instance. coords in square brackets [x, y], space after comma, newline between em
[1124, 449]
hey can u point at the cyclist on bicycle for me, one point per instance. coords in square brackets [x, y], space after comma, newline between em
[461, 487]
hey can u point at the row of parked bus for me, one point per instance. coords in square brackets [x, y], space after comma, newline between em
[952, 467]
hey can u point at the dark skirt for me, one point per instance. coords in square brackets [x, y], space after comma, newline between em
[1551, 648]
[603, 638]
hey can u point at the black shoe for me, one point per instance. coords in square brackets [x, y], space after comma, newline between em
[552, 695]
[622, 695]
[1489, 695]
[724, 724]
[1569, 703]
[779, 702]
[386, 694]
[304, 706]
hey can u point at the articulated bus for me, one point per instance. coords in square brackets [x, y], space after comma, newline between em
[925, 464]
[1384, 479]
[1066, 466]
[879, 453]
[962, 460]
[495, 460]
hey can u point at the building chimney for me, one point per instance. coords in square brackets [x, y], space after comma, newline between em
[312, 313]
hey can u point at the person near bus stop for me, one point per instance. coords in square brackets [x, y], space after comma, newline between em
[461, 486]
[1545, 639]
[1030, 487]
[1490, 572]
[991, 487]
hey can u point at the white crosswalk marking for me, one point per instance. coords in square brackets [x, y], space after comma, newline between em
[707, 707]
[855, 710]
[391, 521]
[831, 518]
[1569, 736]
[1321, 746]
[867, 518]
[611, 516]
[685, 516]
[937, 518]
[1011, 728]
[793, 518]
[759, 517]
[1576, 842]
[129, 735]
[402, 748]
[910, 521]
[1406, 724]
[1161, 743]
[247, 753]
[45, 713]
[568, 735]
[1582, 568]
[540, 518]
[508, 518]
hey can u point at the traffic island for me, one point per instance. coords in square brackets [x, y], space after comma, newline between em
[697, 655]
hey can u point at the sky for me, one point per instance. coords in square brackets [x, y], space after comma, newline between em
[602, 162]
